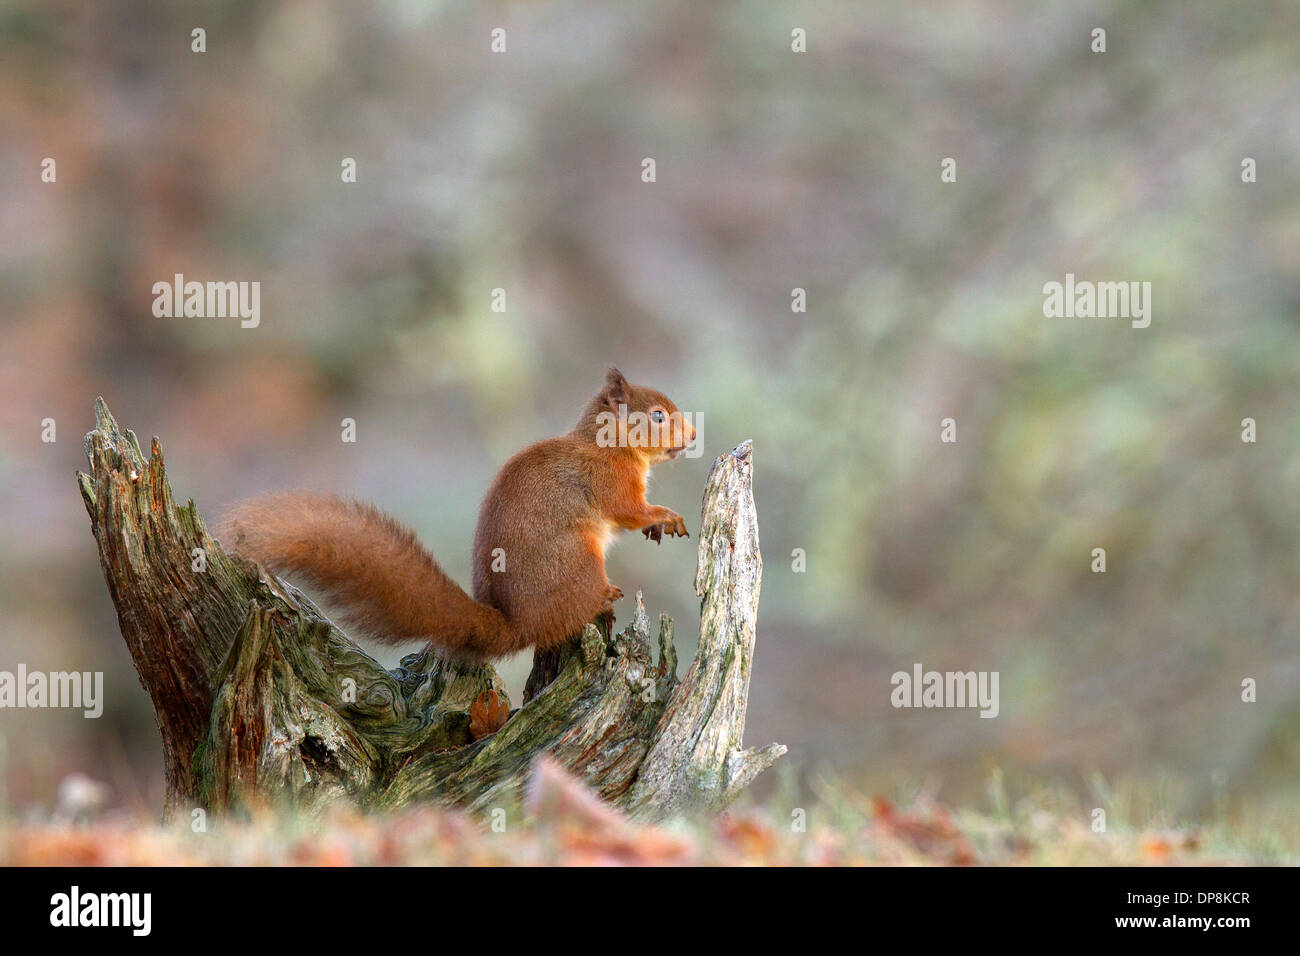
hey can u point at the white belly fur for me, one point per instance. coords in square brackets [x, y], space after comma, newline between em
[607, 535]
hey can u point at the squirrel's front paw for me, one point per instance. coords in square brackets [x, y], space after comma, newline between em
[666, 521]
[613, 592]
[673, 523]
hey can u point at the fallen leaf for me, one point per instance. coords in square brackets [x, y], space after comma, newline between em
[589, 830]
[750, 836]
[488, 714]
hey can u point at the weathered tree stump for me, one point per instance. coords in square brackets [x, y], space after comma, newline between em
[260, 698]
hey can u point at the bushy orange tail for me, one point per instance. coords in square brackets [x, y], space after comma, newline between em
[372, 565]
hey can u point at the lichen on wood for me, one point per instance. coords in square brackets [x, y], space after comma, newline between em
[261, 699]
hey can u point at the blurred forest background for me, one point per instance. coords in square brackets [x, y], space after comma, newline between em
[775, 170]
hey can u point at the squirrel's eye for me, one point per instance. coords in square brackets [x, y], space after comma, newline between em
[657, 415]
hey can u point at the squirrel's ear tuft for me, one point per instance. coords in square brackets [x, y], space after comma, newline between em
[616, 387]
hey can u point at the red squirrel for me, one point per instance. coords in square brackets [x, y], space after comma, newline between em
[539, 549]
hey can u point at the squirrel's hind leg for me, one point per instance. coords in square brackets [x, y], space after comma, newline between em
[590, 597]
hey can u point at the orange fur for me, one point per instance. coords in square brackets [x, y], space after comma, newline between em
[539, 548]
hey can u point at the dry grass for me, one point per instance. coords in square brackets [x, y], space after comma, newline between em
[560, 823]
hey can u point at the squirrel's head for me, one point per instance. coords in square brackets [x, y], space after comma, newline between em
[641, 419]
